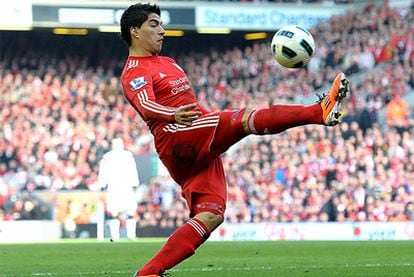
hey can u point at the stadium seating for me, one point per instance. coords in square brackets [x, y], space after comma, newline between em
[61, 105]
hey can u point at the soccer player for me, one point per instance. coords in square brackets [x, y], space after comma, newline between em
[189, 139]
[119, 175]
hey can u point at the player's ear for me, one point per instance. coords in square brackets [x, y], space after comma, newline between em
[135, 31]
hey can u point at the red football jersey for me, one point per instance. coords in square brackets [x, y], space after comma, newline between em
[156, 86]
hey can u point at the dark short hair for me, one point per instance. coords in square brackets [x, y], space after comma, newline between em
[134, 16]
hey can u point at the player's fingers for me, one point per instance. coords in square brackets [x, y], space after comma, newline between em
[187, 118]
[185, 115]
[185, 121]
[191, 114]
[188, 107]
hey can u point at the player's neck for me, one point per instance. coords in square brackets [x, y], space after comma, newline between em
[139, 52]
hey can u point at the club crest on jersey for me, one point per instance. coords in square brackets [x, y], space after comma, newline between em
[137, 83]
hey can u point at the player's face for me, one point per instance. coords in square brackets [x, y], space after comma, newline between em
[151, 34]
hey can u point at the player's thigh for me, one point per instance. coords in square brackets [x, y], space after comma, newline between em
[232, 128]
[206, 190]
[187, 145]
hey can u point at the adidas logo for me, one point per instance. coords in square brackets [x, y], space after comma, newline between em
[132, 64]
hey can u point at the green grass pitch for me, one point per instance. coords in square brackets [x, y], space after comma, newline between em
[270, 258]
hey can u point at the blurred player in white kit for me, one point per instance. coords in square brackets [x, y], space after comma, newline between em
[118, 173]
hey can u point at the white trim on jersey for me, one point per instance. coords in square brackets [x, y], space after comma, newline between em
[153, 106]
[208, 121]
[132, 64]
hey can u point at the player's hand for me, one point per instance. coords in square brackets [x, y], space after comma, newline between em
[186, 115]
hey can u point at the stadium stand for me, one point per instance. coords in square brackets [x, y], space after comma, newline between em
[61, 105]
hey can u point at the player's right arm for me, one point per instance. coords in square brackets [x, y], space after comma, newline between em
[138, 90]
[140, 94]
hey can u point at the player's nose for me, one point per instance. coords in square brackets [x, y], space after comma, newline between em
[161, 31]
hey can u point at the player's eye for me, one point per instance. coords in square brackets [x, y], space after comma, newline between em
[154, 24]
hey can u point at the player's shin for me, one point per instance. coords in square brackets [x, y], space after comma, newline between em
[181, 245]
[278, 118]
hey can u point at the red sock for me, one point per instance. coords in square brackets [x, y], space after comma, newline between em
[181, 245]
[278, 118]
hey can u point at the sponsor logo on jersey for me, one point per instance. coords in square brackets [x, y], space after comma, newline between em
[137, 83]
[179, 85]
[179, 89]
[178, 81]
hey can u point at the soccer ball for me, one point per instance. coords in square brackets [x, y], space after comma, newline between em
[293, 46]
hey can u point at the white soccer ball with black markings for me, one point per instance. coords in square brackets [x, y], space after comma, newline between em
[293, 46]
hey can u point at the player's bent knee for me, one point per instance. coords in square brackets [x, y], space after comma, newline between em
[211, 220]
[209, 209]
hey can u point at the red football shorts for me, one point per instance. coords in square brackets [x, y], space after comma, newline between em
[192, 157]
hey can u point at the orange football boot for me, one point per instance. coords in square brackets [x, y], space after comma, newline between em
[331, 102]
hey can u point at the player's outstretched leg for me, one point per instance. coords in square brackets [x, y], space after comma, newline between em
[278, 118]
[331, 102]
[275, 119]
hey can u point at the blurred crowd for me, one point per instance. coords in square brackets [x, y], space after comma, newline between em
[61, 105]
[327, 2]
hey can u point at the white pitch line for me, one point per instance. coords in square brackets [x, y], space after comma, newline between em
[267, 268]
[352, 265]
[204, 269]
[215, 269]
